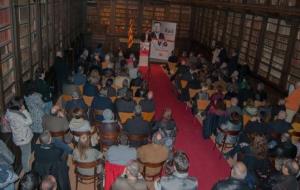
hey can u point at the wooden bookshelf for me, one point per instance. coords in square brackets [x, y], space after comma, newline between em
[294, 71]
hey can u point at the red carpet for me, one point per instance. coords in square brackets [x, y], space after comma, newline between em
[205, 162]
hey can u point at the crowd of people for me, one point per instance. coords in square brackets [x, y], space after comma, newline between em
[259, 133]
[101, 113]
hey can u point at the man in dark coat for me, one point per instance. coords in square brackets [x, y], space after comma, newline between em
[101, 102]
[125, 104]
[147, 104]
[137, 126]
[48, 161]
[288, 179]
[236, 181]
[61, 71]
[279, 126]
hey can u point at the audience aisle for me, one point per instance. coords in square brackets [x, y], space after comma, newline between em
[205, 162]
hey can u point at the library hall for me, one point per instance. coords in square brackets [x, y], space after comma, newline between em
[149, 94]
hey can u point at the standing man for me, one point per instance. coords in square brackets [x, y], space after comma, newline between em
[61, 71]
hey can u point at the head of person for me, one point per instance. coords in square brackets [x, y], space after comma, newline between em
[181, 162]
[234, 101]
[157, 138]
[108, 115]
[281, 115]
[48, 183]
[239, 171]
[290, 168]
[29, 181]
[16, 104]
[40, 73]
[156, 27]
[167, 115]
[78, 113]
[57, 111]
[150, 95]
[235, 117]
[59, 54]
[138, 110]
[125, 83]
[109, 82]
[132, 170]
[83, 145]
[45, 138]
[75, 95]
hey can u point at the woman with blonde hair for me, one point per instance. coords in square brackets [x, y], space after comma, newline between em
[84, 153]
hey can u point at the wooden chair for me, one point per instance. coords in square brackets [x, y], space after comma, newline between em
[80, 87]
[202, 104]
[193, 92]
[152, 166]
[66, 97]
[183, 83]
[111, 137]
[223, 144]
[88, 100]
[96, 113]
[148, 116]
[87, 179]
[124, 116]
[246, 119]
[139, 139]
[59, 134]
[113, 98]
[137, 99]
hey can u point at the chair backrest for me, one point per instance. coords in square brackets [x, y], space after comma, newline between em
[137, 138]
[193, 92]
[66, 97]
[148, 116]
[59, 133]
[183, 83]
[137, 99]
[88, 100]
[124, 116]
[202, 104]
[87, 165]
[80, 87]
[147, 165]
[113, 98]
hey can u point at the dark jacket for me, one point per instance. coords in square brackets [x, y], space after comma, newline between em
[101, 103]
[90, 90]
[75, 103]
[147, 105]
[287, 183]
[48, 161]
[111, 91]
[61, 69]
[231, 184]
[124, 105]
[279, 126]
[136, 82]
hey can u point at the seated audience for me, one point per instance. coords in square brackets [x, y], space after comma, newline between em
[137, 126]
[131, 179]
[108, 125]
[85, 153]
[138, 81]
[7, 178]
[49, 183]
[288, 180]
[111, 91]
[49, 160]
[90, 87]
[143, 90]
[292, 103]
[145, 154]
[56, 121]
[180, 179]
[20, 124]
[29, 181]
[78, 123]
[147, 104]
[284, 149]
[100, 103]
[279, 125]
[237, 180]
[125, 87]
[76, 102]
[126, 103]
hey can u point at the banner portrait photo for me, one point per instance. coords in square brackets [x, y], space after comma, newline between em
[162, 40]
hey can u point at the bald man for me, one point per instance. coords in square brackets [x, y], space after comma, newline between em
[237, 179]
[288, 179]
[148, 103]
